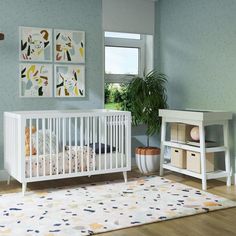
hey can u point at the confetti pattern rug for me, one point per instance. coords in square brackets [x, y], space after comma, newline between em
[93, 208]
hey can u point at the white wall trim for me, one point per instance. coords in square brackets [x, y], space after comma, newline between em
[3, 175]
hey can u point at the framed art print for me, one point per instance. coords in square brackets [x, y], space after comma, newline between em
[35, 44]
[35, 80]
[69, 46]
[69, 80]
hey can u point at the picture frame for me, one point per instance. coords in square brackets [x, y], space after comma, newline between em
[69, 80]
[36, 80]
[69, 46]
[35, 44]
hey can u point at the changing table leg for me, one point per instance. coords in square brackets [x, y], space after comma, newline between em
[203, 156]
[24, 186]
[9, 180]
[163, 138]
[125, 176]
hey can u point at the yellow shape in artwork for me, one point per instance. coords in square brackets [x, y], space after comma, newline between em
[76, 91]
[40, 52]
[29, 71]
[96, 226]
[40, 82]
[81, 50]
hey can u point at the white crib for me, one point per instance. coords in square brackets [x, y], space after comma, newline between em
[45, 145]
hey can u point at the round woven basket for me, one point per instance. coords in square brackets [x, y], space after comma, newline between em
[147, 159]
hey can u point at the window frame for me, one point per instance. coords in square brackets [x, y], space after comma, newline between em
[125, 43]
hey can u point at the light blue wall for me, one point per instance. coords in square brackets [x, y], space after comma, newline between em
[85, 15]
[197, 50]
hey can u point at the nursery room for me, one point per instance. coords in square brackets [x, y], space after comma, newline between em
[117, 117]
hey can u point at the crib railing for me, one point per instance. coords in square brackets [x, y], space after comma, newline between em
[53, 145]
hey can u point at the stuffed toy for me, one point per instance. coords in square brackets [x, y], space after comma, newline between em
[27, 141]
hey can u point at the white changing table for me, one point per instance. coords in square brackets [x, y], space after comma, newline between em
[201, 119]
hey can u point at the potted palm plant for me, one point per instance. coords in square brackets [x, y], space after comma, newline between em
[146, 95]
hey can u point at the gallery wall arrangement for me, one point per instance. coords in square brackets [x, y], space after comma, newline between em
[39, 49]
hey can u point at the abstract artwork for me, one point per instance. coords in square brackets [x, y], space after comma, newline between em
[35, 80]
[35, 44]
[69, 80]
[69, 46]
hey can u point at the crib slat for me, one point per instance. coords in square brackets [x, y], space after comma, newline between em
[108, 130]
[57, 143]
[105, 142]
[111, 136]
[94, 130]
[70, 145]
[44, 147]
[37, 144]
[30, 139]
[63, 143]
[126, 141]
[91, 130]
[120, 133]
[50, 144]
[88, 141]
[76, 146]
[122, 142]
[116, 125]
[99, 136]
[82, 142]
[114, 130]
[59, 130]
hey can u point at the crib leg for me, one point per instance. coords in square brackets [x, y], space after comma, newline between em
[125, 176]
[24, 186]
[8, 179]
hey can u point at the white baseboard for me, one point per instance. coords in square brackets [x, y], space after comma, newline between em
[3, 175]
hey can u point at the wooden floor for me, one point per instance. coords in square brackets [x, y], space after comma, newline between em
[222, 222]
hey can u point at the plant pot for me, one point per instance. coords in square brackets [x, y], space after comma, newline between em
[147, 159]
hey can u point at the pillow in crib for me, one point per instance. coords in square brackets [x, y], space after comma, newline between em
[47, 142]
[108, 148]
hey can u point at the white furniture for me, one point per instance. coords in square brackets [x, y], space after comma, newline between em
[65, 144]
[201, 119]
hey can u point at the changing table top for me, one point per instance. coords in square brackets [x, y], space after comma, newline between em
[198, 115]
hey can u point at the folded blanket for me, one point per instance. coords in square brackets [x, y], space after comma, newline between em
[103, 148]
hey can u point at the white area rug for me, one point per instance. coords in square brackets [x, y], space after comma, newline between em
[100, 207]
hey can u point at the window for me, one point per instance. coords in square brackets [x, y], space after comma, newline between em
[119, 60]
[126, 55]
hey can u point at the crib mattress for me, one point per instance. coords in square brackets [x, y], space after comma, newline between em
[108, 161]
